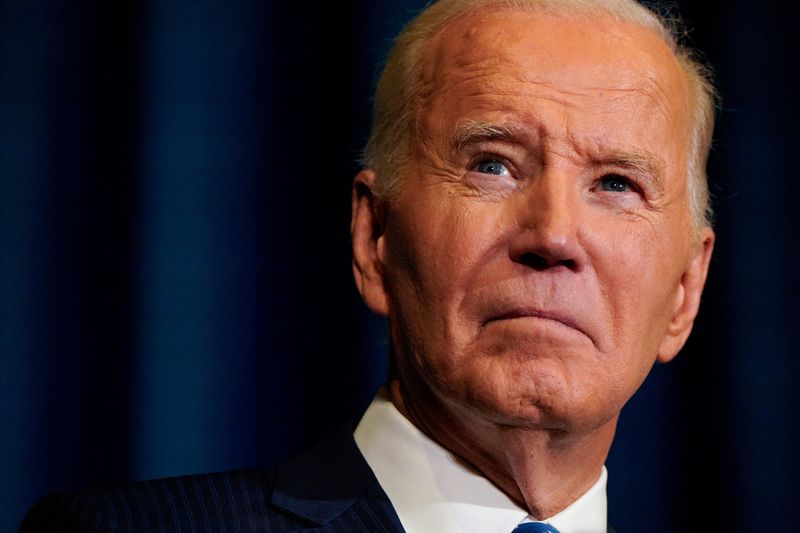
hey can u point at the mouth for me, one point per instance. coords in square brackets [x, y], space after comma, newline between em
[557, 317]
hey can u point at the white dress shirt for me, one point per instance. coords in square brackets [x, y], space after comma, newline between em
[432, 491]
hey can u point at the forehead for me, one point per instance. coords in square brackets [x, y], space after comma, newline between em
[593, 73]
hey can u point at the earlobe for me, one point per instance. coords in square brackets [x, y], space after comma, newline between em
[366, 231]
[688, 298]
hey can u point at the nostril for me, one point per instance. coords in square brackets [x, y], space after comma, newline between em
[569, 263]
[540, 262]
[535, 261]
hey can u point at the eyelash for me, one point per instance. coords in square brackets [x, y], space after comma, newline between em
[628, 182]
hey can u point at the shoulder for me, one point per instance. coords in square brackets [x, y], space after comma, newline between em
[204, 502]
[329, 487]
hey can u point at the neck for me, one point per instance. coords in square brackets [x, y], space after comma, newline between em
[543, 470]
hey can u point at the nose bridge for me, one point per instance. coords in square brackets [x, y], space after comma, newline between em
[548, 220]
[549, 206]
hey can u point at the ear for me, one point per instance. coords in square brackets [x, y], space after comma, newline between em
[366, 230]
[687, 301]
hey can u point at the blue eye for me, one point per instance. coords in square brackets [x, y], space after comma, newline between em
[492, 166]
[614, 183]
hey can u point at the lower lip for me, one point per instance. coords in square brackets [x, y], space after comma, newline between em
[535, 318]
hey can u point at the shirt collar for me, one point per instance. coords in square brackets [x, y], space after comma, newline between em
[432, 490]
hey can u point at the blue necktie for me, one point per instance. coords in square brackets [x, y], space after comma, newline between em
[535, 527]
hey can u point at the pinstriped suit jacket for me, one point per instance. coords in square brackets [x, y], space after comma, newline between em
[329, 489]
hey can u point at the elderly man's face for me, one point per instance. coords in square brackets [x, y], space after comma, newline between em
[540, 257]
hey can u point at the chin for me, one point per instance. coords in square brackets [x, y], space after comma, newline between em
[548, 399]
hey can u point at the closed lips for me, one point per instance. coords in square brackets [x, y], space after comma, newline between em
[535, 313]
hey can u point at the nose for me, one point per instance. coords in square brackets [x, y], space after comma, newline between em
[547, 217]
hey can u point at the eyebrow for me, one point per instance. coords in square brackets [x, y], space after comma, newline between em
[473, 131]
[643, 163]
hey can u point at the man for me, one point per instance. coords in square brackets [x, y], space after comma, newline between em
[531, 219]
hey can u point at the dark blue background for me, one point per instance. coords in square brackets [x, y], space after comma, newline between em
[175, 287]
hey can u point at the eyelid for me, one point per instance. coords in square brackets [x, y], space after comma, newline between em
[634, 182]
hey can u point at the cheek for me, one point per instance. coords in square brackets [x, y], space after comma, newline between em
[638, 279]
[436, 252]
[437, 247]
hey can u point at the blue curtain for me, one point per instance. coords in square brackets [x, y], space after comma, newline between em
[175, 286]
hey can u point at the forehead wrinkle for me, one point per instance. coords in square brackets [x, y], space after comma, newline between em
[649, 88]
[479, 78]
[573, 97]
[434, 84]
[652, 82]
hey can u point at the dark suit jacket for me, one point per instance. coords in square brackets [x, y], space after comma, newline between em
[331, 488]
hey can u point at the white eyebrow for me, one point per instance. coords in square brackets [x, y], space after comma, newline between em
[644, 163]
[472, 131]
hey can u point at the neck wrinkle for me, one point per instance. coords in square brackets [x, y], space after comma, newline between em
[543, 471]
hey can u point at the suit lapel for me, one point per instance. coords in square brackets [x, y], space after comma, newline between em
[330, 481]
